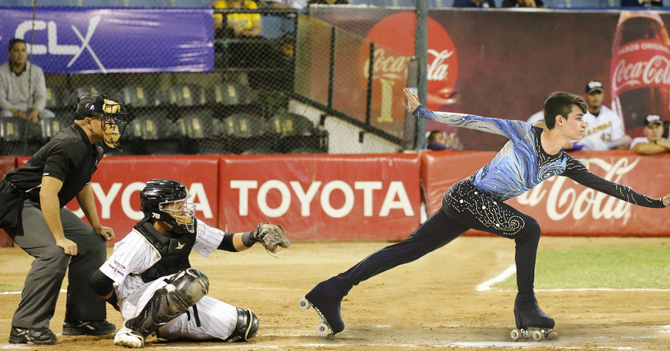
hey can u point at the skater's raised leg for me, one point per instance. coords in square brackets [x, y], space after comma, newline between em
[436, 232]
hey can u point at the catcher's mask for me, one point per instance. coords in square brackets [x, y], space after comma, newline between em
[167, 201]
[112, 116]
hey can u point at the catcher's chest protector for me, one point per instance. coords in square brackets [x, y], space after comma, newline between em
[173, 248]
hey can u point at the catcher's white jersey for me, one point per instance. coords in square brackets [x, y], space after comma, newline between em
[602, 130]
[134, 254]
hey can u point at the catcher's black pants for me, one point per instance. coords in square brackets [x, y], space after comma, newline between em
[463, 207]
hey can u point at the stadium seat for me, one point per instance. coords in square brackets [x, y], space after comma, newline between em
[200, 132]
[19, 137]
[186, 94]
[244, 125]
[54, 97]
[52, 126]
[244, 131]
[233, 94]
[199, 125]
[152, 133]
[95, 89]
[293, 131]
[11, 129]
[141, 95]
[287, 124]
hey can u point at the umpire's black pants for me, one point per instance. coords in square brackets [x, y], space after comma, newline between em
[44, 280]
[463, 207]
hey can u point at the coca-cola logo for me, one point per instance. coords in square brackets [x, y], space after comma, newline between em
[642, 63]
[389, 66]
[394, 39]
[566, 198]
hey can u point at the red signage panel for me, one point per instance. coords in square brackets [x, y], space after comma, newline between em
[322, 197]
[119, 179]
[563, 207]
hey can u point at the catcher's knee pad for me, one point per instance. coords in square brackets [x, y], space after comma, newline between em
[184, 290]
[246, 327]
[190, 284]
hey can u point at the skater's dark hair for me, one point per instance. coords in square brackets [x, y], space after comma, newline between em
[561, 103]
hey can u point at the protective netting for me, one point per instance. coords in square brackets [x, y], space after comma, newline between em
[300, 86]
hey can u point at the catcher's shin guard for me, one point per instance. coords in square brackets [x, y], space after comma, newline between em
[527, 313]
[246, 327]
[184, 290]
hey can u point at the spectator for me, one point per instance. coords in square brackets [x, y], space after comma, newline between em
[522, 3]
[604, 128]
[240, 24]
[22, 86]
[652, 142]
[436, 141]
[641, 3]
[475, 3]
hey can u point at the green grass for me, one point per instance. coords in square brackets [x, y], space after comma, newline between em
[638, 267]
[10, 287]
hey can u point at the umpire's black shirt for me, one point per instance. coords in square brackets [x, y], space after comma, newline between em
[69, 156]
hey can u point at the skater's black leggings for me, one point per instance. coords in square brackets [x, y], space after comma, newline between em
[464, 207]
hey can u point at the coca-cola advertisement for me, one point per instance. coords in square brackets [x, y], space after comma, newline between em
[562, 206]
[640, 68]
[503, 63]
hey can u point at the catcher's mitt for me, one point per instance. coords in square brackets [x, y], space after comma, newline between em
[271, 236]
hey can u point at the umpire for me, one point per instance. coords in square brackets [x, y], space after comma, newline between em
[32, 212]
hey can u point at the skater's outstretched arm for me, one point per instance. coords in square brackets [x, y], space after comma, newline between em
[508, 128]
[576, 171]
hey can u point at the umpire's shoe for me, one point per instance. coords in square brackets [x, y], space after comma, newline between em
[101, 327]
[41, 336]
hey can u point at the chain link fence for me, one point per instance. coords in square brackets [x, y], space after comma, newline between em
[301, 86]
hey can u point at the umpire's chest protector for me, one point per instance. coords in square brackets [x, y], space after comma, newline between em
[173, 249]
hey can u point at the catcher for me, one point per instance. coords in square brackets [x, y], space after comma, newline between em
[149, 279]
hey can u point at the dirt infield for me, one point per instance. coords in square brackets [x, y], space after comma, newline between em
[429, 304]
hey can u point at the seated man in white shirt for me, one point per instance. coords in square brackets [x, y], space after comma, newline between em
[652, 142]
[604, 128]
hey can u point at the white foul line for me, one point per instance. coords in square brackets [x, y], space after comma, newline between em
[486, 286]
[18, 292]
